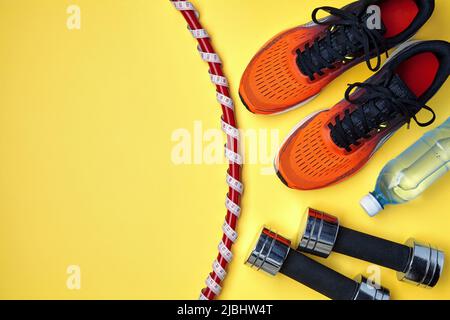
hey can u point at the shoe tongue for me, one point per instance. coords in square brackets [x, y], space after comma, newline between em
[400, 89]
[397, 87]
[343, 48]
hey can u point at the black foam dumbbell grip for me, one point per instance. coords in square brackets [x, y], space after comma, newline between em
[318, 277]
[372, 249]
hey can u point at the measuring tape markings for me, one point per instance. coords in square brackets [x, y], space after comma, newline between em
[228, 125]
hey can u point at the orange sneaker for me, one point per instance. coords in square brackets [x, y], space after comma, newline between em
[294, 66]
[331, 145]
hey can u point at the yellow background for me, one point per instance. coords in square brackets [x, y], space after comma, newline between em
[86, 177]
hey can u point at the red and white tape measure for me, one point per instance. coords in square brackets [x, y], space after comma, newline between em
[228, 124]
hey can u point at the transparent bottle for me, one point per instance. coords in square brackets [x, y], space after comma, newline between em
[413, 171]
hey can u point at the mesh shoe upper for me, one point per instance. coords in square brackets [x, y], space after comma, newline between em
[297, 64]
[314, 156]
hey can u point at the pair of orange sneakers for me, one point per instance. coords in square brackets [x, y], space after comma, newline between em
[293, 67]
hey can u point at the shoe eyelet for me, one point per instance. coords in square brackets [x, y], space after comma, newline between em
[382, 126]
[348, 58]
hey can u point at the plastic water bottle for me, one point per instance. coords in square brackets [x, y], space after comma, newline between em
[407, 176]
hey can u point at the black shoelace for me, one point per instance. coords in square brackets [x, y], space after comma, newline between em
[406, 108]
[312, 61]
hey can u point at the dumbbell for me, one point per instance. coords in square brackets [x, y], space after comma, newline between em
[415, 262]
[272, 254]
